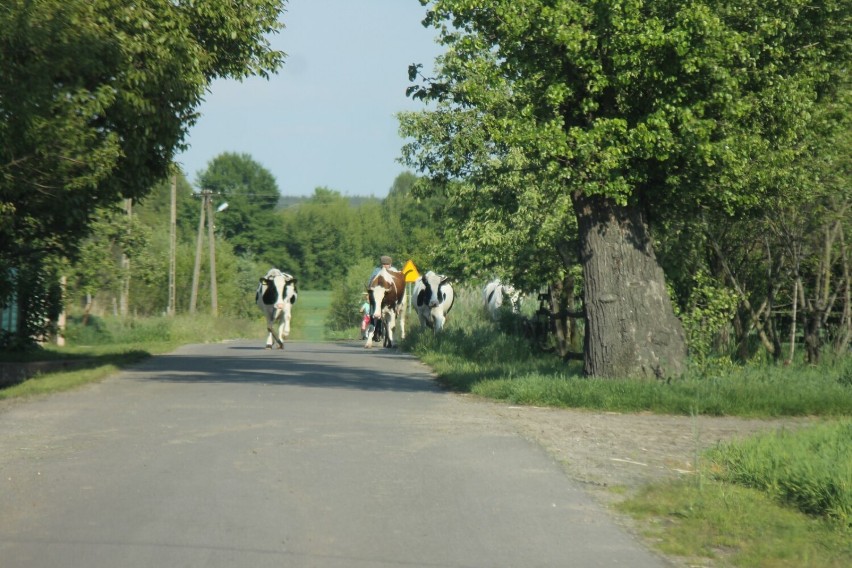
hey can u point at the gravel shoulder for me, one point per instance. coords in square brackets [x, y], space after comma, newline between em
[607, 450]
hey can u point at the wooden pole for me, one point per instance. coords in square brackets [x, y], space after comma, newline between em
[170, 310]
[195, 272]
[214, 293]
[124, 301]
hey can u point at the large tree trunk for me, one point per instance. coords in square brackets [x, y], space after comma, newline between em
[631, 329]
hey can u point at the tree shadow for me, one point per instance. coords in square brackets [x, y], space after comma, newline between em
[339, 365]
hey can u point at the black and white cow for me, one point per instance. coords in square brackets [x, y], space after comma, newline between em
[275, 297]
[496, 294]
[434, 299]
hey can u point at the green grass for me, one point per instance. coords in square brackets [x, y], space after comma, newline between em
[736, 526]
[810, 469]
[780, 499]
[477, 356]
[309, 315]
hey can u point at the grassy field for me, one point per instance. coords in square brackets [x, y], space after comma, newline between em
[309, 314]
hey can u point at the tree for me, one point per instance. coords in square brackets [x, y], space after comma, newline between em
[624, 114]
[250, 190]
[96, 99]
[322, 235]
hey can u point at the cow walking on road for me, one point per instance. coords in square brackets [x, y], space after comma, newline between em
[386, 290]
[275, 297]
[434, 298]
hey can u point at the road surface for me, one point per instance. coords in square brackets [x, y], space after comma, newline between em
[323, 455]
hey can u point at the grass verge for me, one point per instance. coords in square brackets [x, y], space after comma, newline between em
[733, 525]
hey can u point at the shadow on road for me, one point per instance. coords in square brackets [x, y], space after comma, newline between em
[339, 365]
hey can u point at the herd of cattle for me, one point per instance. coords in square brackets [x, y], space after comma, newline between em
[433, 299]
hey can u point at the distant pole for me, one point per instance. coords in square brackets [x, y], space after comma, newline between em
[60, 322]
[195, 273]
[124, 301]
[214, 293]
[172, 247]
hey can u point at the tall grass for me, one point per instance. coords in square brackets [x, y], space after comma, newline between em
[810, 469]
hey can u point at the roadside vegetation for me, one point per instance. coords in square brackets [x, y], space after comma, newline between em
[781, 499]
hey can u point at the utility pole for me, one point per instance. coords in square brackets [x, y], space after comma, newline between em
[195, 273]
[214, 292]
[172, 247]
[124, 301]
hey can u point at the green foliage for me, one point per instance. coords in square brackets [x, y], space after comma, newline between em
[809, 469]
[697, 113]
[347, 296]
[249, 223]
[96, 278]
[327, 233]
[667, 104]
[324, 233]
[709, 311]
[98, 95]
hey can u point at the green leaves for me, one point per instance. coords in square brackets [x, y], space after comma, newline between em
[670, 103]
[96, 97]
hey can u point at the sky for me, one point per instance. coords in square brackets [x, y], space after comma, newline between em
[327, 119]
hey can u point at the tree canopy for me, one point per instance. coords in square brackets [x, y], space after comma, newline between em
[96, 97]
[249, 223]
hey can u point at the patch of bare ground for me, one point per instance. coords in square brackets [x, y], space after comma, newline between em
[627, 451]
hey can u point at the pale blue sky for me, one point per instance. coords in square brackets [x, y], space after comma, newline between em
[327, 118]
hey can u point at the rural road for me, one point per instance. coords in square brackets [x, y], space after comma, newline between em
[324, 455]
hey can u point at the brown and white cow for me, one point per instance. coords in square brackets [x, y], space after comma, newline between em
[275, 297]
[434, 297]
[387, 302]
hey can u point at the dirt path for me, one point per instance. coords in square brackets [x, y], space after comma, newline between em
[609, 450]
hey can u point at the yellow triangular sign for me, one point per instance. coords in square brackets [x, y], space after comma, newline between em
[411, 271]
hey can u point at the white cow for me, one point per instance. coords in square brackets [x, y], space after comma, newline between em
[434, 298]
[495, 294]
[275, 297]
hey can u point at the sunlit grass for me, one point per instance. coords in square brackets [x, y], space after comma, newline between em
[736, 526]
[309, 315]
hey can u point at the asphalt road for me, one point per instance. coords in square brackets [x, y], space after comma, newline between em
[323, 455]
